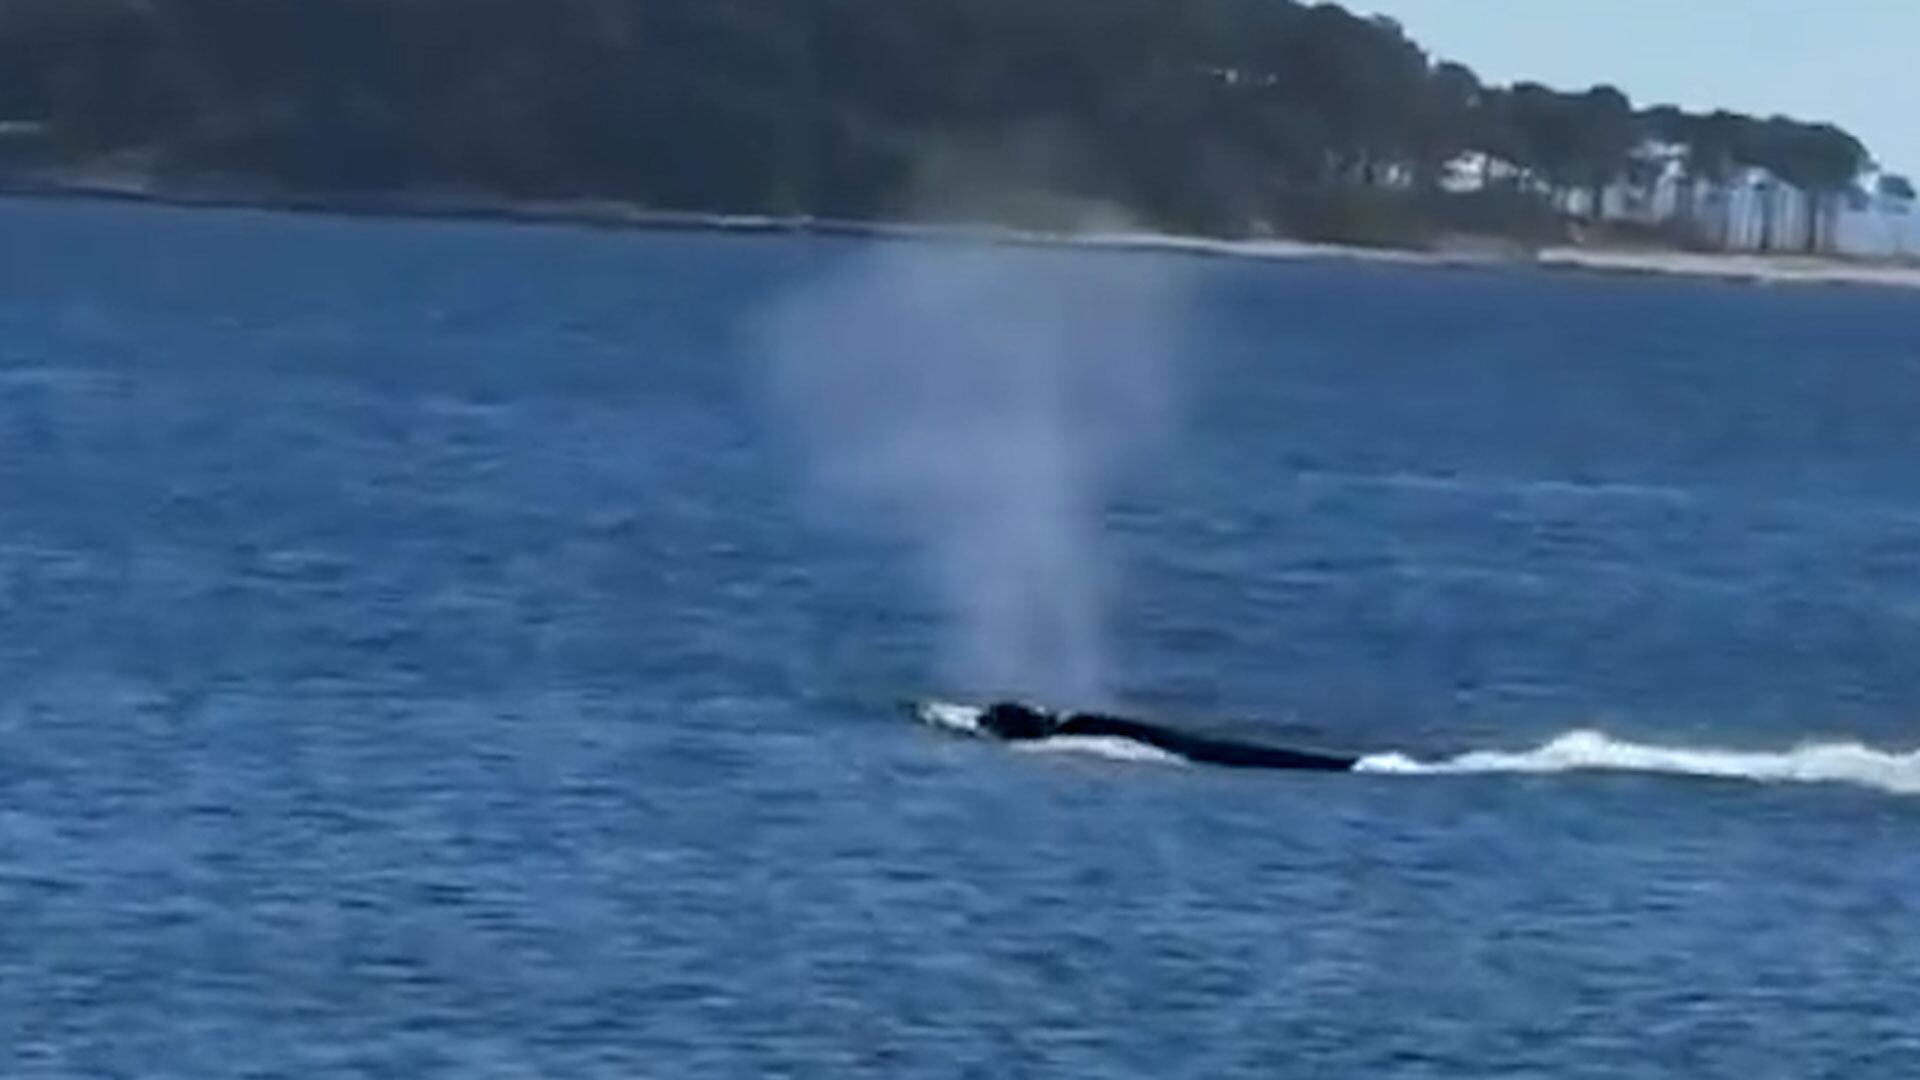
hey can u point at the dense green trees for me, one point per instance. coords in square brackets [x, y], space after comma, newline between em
[1200, 114]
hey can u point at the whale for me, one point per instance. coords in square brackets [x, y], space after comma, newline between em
[1032, 725]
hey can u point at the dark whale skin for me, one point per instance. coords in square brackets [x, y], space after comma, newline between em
[1015, 722]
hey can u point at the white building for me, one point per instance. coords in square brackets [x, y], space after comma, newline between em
[1878, 227]
[1757, 211]
[1475, 171]
[1753, 211]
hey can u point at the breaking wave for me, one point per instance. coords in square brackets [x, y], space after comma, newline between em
[1814, 763]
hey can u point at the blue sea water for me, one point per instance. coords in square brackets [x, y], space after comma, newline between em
[423, 653]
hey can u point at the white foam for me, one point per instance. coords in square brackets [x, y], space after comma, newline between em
[950, 717]
[1110, 747]
[965, 720]
[1838, 763]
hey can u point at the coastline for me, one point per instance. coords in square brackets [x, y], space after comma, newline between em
[1740, 268]
[1754, 269]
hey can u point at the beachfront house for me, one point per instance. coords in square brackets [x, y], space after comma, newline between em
[1752, 210]
[1881, 224]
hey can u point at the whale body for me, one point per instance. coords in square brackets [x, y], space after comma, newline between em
[1016, 722]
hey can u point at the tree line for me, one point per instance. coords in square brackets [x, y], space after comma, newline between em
[1219, 116]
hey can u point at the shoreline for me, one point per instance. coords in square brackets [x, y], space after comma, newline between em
[1738, 268]
[1744, 268]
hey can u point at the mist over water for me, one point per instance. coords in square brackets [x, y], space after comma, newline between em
[980, 402]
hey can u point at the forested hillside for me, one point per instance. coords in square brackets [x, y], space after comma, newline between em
[1222, 116]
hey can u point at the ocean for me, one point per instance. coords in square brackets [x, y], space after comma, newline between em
[470, 650]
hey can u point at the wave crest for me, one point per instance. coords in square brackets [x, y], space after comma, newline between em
[1838, 762]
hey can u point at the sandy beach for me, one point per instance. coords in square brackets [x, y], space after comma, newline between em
[1757, 269]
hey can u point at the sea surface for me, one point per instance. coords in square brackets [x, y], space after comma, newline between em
[429, 649]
